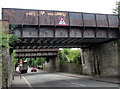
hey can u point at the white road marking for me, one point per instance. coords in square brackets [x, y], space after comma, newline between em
[28, 83]
[79, 84]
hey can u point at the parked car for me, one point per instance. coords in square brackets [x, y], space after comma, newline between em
[33, 70]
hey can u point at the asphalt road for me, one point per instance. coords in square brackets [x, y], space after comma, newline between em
[46, 79]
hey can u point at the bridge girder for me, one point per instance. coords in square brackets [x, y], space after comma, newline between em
[28, 53]
[59, 29]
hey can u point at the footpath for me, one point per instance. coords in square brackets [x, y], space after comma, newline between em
[19, 81]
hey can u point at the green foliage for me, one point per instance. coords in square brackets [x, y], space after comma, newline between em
[68, 55]
[66, 51]
[117, 9]
[13, 39]
[12, 27]
[7, 40]
[35, 61]
[39, 61]
[4, 40]
[62, 56]
[14, 60]
[74, 55]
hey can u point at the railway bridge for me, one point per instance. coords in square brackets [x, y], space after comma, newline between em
[58, 29]
[96, 34]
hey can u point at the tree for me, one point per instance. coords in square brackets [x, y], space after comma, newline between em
[14, 60]
[117, 8]
[36, 61]
[68, 55]
[7, 40]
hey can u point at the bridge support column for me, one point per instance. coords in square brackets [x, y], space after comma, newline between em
[5, 69]
[102, 60]
[5, 61]
[52, 65]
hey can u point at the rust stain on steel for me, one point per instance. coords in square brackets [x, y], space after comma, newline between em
[17, 16]
[31, 13]
[42, 12]
[46, 18]
[52, 17]
[14, 16]
[8, 14]
[51, 14]
[60, 14]
[42, 17]
[30, 17]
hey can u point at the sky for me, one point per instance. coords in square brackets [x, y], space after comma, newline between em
[89, 6]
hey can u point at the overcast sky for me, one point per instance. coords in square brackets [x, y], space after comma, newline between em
[90, 6]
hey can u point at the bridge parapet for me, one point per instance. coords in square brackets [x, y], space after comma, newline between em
[59, 18]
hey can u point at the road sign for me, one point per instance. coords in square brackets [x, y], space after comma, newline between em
[62, 22]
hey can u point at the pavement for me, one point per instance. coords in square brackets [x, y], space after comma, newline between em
[20, 81]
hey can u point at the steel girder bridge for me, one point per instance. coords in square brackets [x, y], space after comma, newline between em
[44, 29]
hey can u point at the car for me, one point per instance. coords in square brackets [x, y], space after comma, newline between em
[33, 70]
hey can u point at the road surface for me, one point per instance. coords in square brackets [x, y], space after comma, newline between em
[47, 79]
